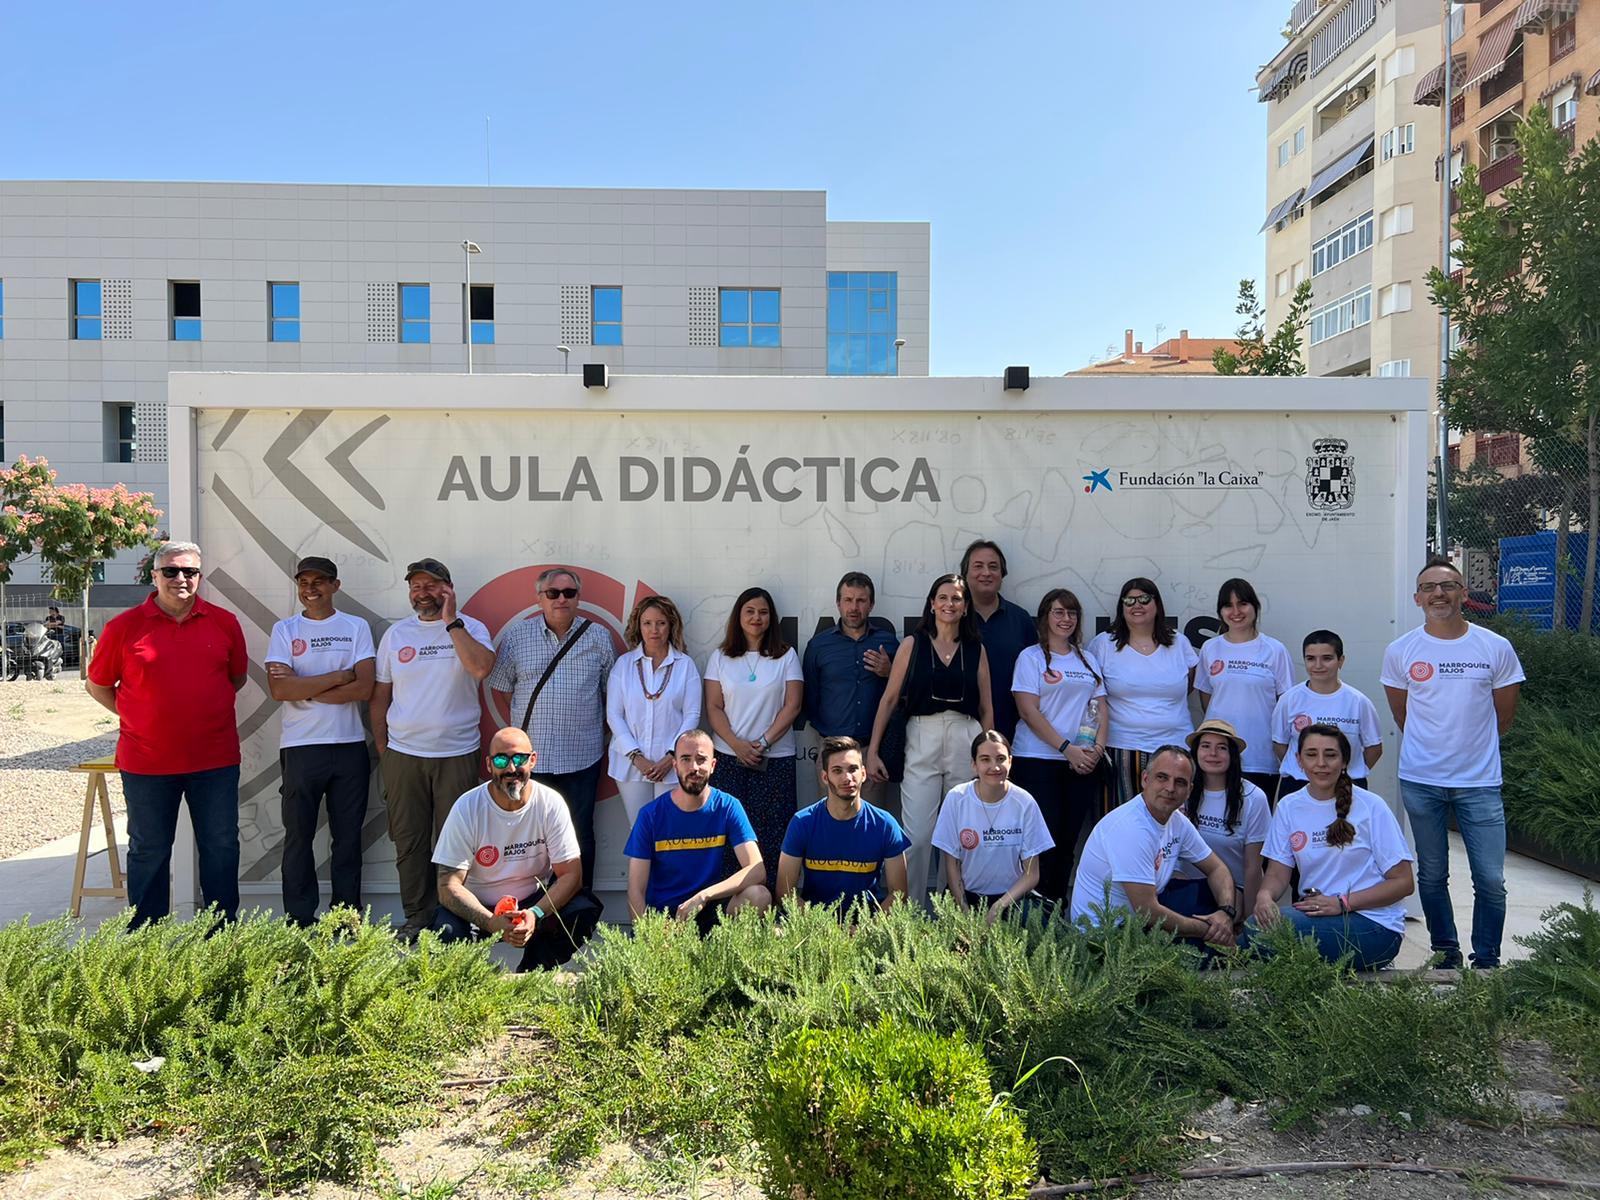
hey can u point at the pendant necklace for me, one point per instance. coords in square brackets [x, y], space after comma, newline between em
[751, 666]
[644, 687]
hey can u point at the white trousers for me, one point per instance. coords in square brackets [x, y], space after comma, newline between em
[938, 758]
[636, 793]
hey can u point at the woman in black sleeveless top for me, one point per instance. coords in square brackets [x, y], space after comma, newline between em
[942, 673]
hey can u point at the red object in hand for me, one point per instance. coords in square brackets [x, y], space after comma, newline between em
[508, 904]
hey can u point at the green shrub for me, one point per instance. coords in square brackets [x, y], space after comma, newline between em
[1558, 987]
[887, 1113]
[1552, 779]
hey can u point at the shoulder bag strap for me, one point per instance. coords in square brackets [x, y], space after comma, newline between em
[550, 670]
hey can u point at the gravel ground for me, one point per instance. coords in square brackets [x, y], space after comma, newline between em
[45, 729]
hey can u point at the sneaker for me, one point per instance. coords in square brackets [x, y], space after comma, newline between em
[1449, 960]
[409, 932]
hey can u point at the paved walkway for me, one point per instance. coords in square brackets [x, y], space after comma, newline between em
[39, 883]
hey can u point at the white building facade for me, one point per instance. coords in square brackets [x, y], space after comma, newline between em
[106, 287]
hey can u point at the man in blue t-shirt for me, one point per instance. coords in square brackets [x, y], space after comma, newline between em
[676, 847]
[845, 846]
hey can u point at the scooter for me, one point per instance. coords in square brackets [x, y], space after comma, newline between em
[36, 655]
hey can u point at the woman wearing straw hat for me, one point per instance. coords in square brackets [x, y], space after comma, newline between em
[1231, 814]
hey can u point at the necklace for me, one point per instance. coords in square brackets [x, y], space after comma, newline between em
[751, 666]
[644, 687]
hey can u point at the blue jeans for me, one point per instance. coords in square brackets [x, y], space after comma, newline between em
[1482, 820]
[153, 801]
[1374, 945]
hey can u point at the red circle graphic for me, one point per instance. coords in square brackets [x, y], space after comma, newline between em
[1421, 671]
[969, 839]
[1301, 720]
[1052, 676]
[487, 856]
[1218, 667]
[297, 647]
[407, 653]
[1297, 841]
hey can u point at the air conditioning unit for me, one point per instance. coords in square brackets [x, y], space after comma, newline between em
[1502, 148]
[1355, 99]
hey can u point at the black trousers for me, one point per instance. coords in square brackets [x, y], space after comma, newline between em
[341, 774]
[578, 789]
[1067, 801]
[555, 939]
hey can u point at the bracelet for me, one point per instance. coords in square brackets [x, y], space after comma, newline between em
[1065, 742]
[1344, 904]
[537, 912]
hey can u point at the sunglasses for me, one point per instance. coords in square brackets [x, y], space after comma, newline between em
[561, 593]
[1138, 601]
[186, 572]
[502, 761]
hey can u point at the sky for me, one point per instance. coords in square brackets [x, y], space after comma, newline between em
[1086, 167]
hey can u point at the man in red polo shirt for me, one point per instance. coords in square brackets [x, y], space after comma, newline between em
[169, 670]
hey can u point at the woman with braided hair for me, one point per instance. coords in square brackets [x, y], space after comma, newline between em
[1355, 866]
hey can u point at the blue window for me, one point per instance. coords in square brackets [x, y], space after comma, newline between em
[284, 304]
[862, 308]
[86, 310]
[481, 315]
[605, 316]
[185, 300]
[750, 317]
[415, 310]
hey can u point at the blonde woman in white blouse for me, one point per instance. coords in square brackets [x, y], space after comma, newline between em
[653, 696]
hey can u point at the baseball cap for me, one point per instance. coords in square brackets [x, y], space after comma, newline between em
[429, 566]
[323, 566]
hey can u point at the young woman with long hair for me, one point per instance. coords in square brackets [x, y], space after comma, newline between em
[1242, 673]
[1231, 814]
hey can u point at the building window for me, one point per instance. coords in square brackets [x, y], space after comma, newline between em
[862, 316]
[184, 300]
[1396, 298]
[1563, 38]
[605, 316]
[86, 310]
[1341, 244]
[750, 317]
[1399, 64]
[1300, 139]
[1397, 220]
[1343, 315]
[480, 314]
[1564, 106]
[1297, 274]
[1281, 283]
[416, 308]
[1402, 139]
[1395, 368]
[1283, 153]
[283, 302]
[117, 432]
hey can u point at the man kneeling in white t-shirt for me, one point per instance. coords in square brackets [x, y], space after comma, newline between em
[1132, 853]
[504, 838]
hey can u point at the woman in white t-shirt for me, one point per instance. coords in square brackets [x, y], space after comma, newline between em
[1355, 867]
[1242, 673]
[754, 690]
[653, 696]
[991, 832]
[1061, 733]
[1231, 814]
[1148, 671]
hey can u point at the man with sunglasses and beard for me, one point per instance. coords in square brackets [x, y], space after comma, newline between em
[512, 837]
[169, 670]
[549, 679]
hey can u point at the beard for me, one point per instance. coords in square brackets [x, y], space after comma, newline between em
[513, 785]
[693, 786]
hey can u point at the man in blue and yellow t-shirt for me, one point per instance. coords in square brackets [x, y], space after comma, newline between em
[845, 846]
[676, 847]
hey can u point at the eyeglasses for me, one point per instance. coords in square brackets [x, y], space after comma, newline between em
[1449, 587]
[502, 761]
[186, 572]
[1058, 611]
[561, 593]
[1138, 601]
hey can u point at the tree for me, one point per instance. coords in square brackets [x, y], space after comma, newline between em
[1527, 302]
[20, 489]
[1259, 354]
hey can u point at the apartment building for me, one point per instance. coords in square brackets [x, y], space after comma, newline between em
[106, 287]
[1508, 58]
[1352, 204]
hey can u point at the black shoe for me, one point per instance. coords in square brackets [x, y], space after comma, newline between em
[1449, 960]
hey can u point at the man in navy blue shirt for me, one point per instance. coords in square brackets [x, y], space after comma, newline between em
[847, 667]
[844, 846]
[676, 847]
[1006, 628]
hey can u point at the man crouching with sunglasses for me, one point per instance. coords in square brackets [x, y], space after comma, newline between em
[513, 837]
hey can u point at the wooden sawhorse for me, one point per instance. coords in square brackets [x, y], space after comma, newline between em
[93, 790]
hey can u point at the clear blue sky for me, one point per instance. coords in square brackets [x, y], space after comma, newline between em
[1086, 167]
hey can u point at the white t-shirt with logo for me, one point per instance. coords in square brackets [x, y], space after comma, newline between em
[1128, 846]
[1064, 692]
[434, 713]
[1299, 838]
[1251, 828]
[1452, 737]
[1148, 694]
[1347, 709]
[752, 705]
[1244, 681]
[319, 648]
[506, 853]
[990, 840]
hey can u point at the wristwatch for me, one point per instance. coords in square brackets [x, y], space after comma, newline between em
[458, 623]
[1233, 913]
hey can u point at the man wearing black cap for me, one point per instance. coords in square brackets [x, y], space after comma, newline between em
[320, 663]
[425, 725]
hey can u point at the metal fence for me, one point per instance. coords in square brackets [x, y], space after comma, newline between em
[24, 604]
